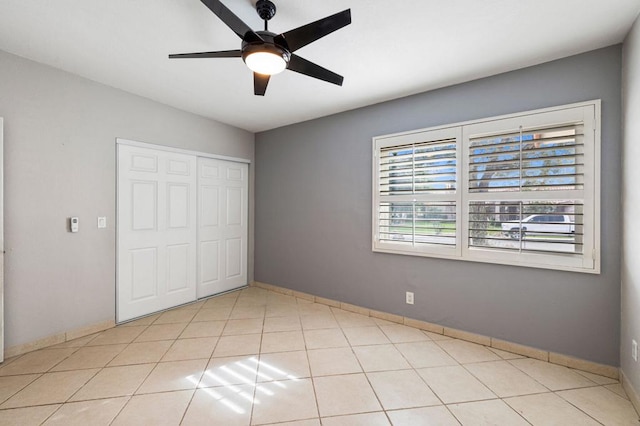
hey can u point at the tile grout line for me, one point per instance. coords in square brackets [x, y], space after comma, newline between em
[311, 378]
[463, 365]
[129, 398]
[134, 393]
[48, 371]
[415, 370]
[193, 395]
[502, 399]
[577, 408]
[255, 386]
[420, 376]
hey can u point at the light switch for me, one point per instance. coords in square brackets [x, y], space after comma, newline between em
[102, 222]
[73, 224]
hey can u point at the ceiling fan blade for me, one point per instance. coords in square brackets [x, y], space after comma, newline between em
[260, 82]
[301, 65]
[309, 33]
[220, 54]
[232, 21]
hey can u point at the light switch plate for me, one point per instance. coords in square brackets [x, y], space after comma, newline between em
[74, 224]
[102, 222]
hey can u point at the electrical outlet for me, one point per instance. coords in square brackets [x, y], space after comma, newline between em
[410, 298]
[634, 350]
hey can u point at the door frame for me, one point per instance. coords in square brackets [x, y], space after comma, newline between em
[121, 141]
[132, 143]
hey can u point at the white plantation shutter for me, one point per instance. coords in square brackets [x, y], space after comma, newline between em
[426, 167]
[396, 170]
[531, 160]
[553, 226]
[417, 224]
[520, 189]
[529, 189]
[416, 208]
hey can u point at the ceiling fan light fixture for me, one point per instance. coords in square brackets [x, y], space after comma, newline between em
[265, 62]
[267, 53]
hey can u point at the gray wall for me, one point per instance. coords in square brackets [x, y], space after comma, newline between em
[60, 161]
[631, 206]
[313, 217]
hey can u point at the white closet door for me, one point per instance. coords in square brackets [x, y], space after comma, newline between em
[222, 225]
[157, 244]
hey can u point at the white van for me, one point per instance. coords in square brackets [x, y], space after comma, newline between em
[540, 225]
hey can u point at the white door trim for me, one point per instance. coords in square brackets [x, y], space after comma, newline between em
[180, 150]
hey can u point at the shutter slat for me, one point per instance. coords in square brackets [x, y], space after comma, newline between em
[501, 144]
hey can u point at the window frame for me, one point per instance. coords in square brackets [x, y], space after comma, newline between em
[589, 113]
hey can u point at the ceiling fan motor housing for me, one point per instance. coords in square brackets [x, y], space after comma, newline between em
[266, 9]
[269, 45]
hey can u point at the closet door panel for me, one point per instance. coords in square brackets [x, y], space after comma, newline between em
[157, 232]
[222, 225]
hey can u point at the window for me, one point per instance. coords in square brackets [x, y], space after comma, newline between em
[520, 189]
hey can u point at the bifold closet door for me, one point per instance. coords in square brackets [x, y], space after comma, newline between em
[157, 230]
[222, 225]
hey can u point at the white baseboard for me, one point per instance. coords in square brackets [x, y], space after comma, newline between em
[58, 338]
[551, 357]
[632, 393]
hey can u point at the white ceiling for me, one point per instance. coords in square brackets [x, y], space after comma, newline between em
[392, 49]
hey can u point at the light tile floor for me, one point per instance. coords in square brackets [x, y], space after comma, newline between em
[258, 357]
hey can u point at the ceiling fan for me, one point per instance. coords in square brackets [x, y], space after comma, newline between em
[267, 53]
